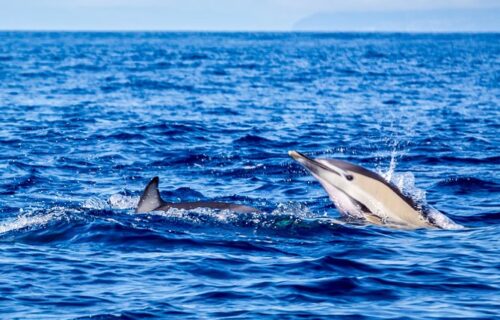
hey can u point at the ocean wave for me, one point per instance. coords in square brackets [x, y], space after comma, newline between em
[95, 219]
[252, 139]
[88, 118]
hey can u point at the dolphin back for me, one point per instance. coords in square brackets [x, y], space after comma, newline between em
[151, 200]
[238, 208]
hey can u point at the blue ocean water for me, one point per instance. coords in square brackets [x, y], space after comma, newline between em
[87, 119]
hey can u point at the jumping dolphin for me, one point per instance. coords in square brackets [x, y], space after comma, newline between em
[363, 194]
[151, 201]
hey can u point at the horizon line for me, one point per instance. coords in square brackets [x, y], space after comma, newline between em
[250, 31]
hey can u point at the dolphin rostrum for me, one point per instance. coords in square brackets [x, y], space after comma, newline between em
[151, 201]
[363, 194]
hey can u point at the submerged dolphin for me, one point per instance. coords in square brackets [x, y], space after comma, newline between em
[363, 194]
[151, 201]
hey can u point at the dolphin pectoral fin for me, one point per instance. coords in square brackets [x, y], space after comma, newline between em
[373, 219]
[150, 198]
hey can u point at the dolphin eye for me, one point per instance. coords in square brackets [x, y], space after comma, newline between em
[349, 177]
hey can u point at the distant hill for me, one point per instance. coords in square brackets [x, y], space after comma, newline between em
[456, 20]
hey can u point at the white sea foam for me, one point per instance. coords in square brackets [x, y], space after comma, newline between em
[405, 182]
[195, 215]
[293, 208]
[95, 203]
[262, 219]
[251, 167]
[115, 201]
[31, 219]
[118, 201]
[23, 221]
[442, 221]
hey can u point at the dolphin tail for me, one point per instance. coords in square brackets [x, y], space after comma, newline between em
[150, 198]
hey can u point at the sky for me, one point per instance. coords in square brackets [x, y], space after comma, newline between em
[252, 15]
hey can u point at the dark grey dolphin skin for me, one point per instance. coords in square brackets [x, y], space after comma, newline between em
[151, 201]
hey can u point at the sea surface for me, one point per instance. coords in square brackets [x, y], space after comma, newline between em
[87, 119]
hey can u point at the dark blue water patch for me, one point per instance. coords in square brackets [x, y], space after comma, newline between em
[84, 67]
[40, 74]
[425, 159]
[169, 128]
[162, 310]
[75, 91]
[252, 140]
[120, 135]
[391, 102]
[194, 56]
[340, 287]
[218, 71]
[6, 58]
[484, 218]
[373, 54]
[89, 118]
[186, 160]
[183, 193]
[21, 182]
[327, 265]
[464, 185]
[146, 84]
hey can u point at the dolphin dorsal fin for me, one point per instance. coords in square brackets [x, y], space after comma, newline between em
[150, 198]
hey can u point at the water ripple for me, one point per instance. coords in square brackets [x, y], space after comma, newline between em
[88, 118]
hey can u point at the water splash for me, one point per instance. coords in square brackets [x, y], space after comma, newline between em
[119, 201]
[293, 208]
[95, 203]
[115, 201]
[442, 221]
[392, 166]
[288, 217]
[405, 182]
